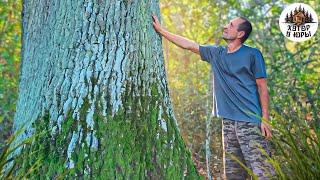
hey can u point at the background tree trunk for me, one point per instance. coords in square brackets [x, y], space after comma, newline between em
[93, 80]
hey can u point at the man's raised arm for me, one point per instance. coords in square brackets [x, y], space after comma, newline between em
[176, 39]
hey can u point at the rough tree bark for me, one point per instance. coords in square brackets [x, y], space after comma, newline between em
[93, 80]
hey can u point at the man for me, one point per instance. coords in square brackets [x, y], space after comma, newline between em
[240, 96]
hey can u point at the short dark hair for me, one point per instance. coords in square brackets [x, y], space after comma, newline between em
[246, 27]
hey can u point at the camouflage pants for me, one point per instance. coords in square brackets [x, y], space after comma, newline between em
[243, 140]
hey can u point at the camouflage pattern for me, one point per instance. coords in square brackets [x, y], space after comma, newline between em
[243, 140]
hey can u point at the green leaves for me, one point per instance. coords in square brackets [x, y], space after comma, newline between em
[10, 33]
[298, 148]
[11, 156]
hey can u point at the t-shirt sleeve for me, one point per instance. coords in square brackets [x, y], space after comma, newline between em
[208, 52]
[259, 67]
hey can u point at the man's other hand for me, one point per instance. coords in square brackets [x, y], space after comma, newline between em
[266, 130]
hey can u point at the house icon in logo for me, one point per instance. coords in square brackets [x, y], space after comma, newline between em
[299, 18]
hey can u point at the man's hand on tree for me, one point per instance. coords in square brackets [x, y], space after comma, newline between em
[156, 23]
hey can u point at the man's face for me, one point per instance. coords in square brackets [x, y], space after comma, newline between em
[230, 30]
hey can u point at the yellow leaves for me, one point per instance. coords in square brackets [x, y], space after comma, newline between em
[291, 46]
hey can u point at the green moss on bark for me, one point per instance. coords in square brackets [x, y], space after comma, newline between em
[131, 145]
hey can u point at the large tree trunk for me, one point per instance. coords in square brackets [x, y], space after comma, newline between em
[93, 79]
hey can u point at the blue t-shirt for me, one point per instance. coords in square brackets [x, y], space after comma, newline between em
[235, 90]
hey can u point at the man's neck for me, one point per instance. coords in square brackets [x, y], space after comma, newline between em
[233, 46]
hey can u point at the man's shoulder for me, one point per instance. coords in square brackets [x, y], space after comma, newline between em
[251, 49]
[213, 47]
[219, 48]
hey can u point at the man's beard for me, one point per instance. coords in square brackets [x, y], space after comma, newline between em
[226, 38]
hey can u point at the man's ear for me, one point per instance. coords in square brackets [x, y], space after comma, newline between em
[241, 34]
